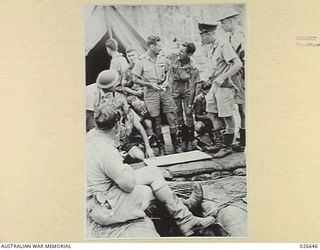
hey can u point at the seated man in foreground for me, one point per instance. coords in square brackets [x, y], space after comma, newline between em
[116, 193]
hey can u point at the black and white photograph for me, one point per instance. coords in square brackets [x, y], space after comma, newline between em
[165, 121]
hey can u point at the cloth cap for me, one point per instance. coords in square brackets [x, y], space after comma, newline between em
[206, 27]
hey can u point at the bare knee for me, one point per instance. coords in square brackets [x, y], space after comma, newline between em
[148, 124]
[198, 126]
[136, 153]
[241, 112]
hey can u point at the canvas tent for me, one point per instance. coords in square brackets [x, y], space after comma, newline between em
[102, 23]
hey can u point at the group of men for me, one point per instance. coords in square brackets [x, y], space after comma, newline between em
[125, 106]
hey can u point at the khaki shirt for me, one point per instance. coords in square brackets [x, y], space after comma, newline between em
[220, 59]
[237, 39]
[200, 58]
[120, 65]
[188, 72]
[149, 70]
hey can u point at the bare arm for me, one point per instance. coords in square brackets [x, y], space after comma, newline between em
[140, 128]
[142, 131]
[142, 83]
[131, 91]
[236, 66]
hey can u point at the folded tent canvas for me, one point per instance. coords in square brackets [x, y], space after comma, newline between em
[102, 23]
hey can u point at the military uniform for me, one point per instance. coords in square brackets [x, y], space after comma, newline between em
[237, 42]
[221, 99]
[183, 80]
[154, 72]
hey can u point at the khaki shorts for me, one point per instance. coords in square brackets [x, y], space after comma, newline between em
[155, 99]
[221, 101]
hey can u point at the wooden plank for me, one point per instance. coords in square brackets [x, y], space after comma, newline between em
[179, 158]
[231, 162]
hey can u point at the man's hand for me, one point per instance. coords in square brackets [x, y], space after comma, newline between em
[139, 93]
[155, 86]
[218, 81]
[149, 152]
[123, 154]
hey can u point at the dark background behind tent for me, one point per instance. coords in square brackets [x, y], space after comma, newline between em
[102, 23]
[98, 59]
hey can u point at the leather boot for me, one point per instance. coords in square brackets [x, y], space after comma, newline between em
[226, 148]
[193, 203]
[242, 145]
[175, 143]
[184, 138]
[218, 142]
[192, 143]
[160, 143]
[186, 221]
[152, 140]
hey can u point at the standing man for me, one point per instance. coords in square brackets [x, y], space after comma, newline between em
[118, 62]
[223, 64]
[184, 76]
[129, 86]
[151, 73]
[229, 24]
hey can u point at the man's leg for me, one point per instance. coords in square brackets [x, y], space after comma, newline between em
[152, 101]
[159, 136]
[241, 146]
[217, 132]
[187, 222]
[169, 108]
[171, 118]
[226, 104]
[180, 121]
[191, 143]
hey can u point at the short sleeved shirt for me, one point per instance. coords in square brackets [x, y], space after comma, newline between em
[149, 70]
[120, 65]
[200, 58]
[128, 80]
[188, 72]
[221, 58]
[237, 39]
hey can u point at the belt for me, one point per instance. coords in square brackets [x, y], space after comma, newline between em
[181, 81]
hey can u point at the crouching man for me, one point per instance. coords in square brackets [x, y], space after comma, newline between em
[116, 193]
